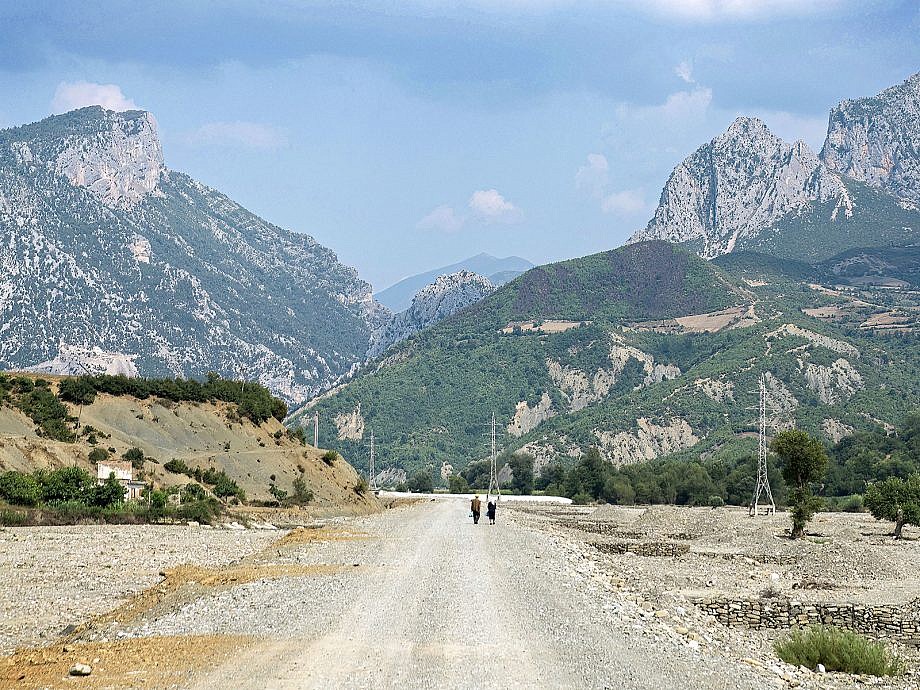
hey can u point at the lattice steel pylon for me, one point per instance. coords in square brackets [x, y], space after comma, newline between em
[493, 472]
[762, 487]
[372, 466]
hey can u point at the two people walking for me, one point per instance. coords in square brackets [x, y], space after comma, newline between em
[476, 507]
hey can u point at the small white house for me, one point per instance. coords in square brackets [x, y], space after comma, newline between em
[124, 473]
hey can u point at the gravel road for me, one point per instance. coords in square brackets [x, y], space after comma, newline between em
[431, 601]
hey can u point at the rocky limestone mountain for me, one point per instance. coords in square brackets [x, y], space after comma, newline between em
[102, 246]
[739, 183]
[876, 140]
[433, 303]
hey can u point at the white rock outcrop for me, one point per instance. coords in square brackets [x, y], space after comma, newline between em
[73, 360]
[874, 140]
[527, 418]
[582, 389]
[835, 430]
[717, 390]
[835, 383]
[119, 163]
[350, 425]
[647, 442]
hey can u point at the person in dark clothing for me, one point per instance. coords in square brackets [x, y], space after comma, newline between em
[490, 511]
[475, 507]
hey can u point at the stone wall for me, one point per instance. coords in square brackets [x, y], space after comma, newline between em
[901, 622]
[646, 548]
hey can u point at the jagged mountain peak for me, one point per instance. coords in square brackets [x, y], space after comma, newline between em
[742, 181]
[875, 140]
[116, 156]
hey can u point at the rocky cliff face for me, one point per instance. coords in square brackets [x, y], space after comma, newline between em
[433, 303]
[877, 140]
[739, 183]
[104, 247]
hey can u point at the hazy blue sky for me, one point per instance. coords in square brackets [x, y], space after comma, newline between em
[407, 135]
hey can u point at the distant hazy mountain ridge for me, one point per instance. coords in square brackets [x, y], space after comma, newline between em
[103, 246]
[433, 303]
[399, 297]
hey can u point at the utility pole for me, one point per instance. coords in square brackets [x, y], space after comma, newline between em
[372, 469]
[763, 481]
[493, 472]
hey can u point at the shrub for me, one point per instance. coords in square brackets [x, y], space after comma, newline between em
[20, 489]
[302, 494]
[716, 501]
[199, 511]
[136, 457]
[97, 455]
[50, 414]
[77, 391]
[361, 486]
[192, 492]
[12, 518]
[279, 494]
[836, 650]
[65, 485]
[176, 466]
[329, 457]
[581, 499]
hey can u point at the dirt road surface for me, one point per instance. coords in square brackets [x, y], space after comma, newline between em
[437, 602]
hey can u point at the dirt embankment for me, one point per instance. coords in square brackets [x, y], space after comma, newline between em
[203, 435]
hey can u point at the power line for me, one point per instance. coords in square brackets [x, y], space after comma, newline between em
[762, 487]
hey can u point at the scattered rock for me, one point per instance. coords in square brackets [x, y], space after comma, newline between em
[79, 669]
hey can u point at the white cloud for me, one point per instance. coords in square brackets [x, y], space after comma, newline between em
[594, 176]
[685, 71]
[628, 202]
[251, 135]
[79, 94]
[492, 207]
[720, 10]
[443, 218]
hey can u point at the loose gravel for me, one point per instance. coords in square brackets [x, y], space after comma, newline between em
[54, 577]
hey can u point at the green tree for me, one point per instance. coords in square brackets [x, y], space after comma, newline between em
[302, 494]
[136, 457]
[804, 462]
[456, 484]
[78, 391]
[97, 455]
[897, 500]
[109, 493]
[65, 484]
[521, 465]
[19, 489]
[421, 482]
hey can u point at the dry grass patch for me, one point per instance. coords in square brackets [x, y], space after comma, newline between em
[147, 662]
[305, 535]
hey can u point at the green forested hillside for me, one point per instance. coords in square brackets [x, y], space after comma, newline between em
[824, 229]
[627, 377]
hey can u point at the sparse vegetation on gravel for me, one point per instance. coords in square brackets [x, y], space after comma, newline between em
[837, 650]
